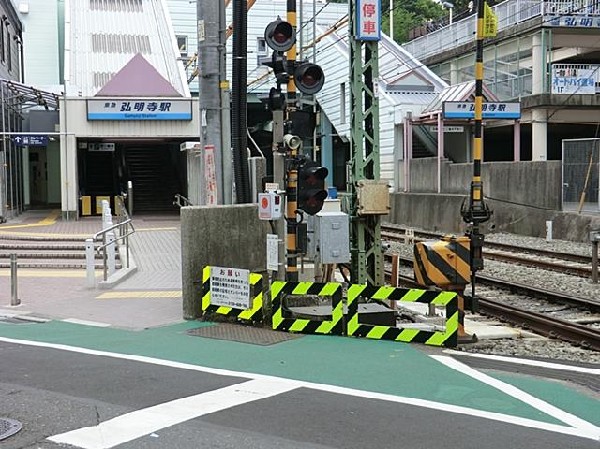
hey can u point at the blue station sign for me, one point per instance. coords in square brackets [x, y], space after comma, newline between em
[466, 110]
[30, 140]
[139, 109]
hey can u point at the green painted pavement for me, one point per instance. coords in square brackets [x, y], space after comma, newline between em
[379, 366]
[557, 393]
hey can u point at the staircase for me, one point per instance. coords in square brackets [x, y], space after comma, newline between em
[48, 252]
[154, 177]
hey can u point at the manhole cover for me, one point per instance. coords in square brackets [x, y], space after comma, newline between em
[9, 427]
[243, 334]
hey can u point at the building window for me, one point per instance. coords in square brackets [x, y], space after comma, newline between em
[261, 50]
[342, 102]
[182, 44]
[9, 52]
[2, 49]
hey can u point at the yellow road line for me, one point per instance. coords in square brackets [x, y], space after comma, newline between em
[141, 294]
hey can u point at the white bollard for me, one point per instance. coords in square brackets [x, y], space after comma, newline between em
[110, 252]
[106, 215]
[548, 231]
[90, 263]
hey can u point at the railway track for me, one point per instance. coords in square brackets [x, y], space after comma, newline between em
[542, 323]
[567, 263]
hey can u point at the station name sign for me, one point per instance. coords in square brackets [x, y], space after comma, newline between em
[572, 21]
[466, 110]
[139, 109]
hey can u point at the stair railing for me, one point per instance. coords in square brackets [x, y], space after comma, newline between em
[125, 228]
[181, 201]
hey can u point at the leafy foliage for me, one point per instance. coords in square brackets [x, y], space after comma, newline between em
[409, 14]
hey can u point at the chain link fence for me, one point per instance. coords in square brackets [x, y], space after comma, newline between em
[580, 175]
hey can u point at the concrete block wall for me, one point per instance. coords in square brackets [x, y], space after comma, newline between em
[225, 236]
[537, 184]
[442, 213]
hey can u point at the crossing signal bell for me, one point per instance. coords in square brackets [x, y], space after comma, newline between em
[311, 187]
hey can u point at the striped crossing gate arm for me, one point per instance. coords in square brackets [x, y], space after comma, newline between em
[448, 337]
[281, 290]
[255, 313]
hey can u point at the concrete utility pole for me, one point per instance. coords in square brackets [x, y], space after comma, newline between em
[211, 67]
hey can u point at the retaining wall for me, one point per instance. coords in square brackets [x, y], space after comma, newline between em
[224, 236]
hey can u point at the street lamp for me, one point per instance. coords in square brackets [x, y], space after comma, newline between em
[450, 7]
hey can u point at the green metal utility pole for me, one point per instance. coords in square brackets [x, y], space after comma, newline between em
[365, 228]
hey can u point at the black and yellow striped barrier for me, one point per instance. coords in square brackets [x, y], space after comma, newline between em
[436, 338]
[254, 313]
[280, 290]
[446, 262]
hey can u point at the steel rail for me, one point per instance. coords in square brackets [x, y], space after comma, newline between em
[393, 232]
[544, 325]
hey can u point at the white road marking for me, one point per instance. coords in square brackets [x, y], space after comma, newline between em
[593, 434]
[543, 406]
[85, 322]
[519, 361]
[142, 422]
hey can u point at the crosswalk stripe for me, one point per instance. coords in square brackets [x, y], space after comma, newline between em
[142, 422]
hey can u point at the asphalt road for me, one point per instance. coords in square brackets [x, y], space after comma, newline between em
[94, 400]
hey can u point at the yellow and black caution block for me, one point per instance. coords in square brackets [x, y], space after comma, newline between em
[445, 262]
[87, 201]
[254, 313]
[280, 290]
[448, 337]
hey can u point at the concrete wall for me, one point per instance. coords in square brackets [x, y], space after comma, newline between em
[442, 213]
[522, 196]
[225, 236]
[540, 181]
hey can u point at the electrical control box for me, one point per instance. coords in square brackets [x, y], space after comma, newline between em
[332, 231]
[269, 206]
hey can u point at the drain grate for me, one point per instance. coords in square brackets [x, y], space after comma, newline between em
[9, 427]
[243, 334]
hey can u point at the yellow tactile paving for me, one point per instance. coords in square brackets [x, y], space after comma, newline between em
[140, 294]
[49, 220]
[54, 273]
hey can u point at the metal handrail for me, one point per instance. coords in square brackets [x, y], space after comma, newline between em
[122, 236]
[181, 201]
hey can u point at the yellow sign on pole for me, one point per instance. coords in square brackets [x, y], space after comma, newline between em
[490, 22]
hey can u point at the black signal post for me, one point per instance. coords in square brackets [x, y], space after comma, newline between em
[304, 179]
[477, 212]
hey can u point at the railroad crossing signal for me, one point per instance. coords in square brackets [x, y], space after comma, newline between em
[311, 187]
[308, 77]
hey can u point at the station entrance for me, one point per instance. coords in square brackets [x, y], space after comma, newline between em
[156, 170]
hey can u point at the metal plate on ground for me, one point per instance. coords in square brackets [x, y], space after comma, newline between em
[9, 427]
[243, 334]
[16, 320]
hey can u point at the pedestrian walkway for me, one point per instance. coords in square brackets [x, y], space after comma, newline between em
[149, 297]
